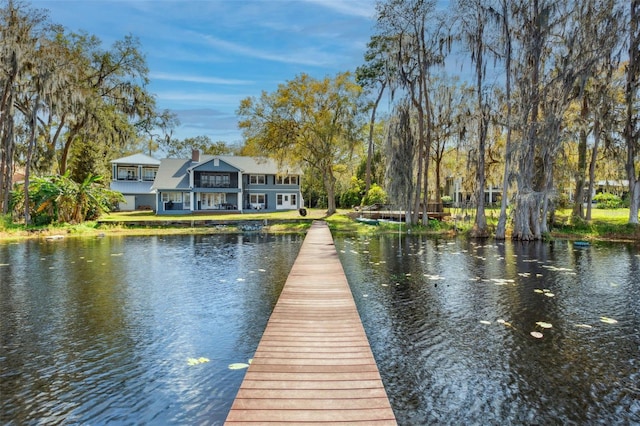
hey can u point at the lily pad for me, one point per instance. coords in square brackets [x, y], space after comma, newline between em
[238, 366]
[537, 290]
[485, 322]
[196, 361]
[608, 320]
[544, 324]
[503, 322]
[548, 294]
[537, 334]
[583, 326]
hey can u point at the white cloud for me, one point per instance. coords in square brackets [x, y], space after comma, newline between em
[193, 98]
[302, 58]
[199, 79]
[360, 8]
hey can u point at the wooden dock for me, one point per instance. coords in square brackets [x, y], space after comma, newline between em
[313, 364]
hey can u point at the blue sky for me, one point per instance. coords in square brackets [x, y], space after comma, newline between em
[205, 56]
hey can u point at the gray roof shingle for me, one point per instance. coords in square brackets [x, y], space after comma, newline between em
[139, 158]
[173, 172]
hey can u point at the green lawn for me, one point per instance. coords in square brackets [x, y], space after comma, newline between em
[134, 216]
[606, 224]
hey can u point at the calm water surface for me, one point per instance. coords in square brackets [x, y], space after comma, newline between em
[97, 331]
[450, 326]
[100, 331]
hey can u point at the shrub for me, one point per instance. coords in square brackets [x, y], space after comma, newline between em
[376, 195]
[349, 198]
[605, 200]
[562, 201]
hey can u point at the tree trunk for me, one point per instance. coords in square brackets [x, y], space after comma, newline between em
[418, 189]
[501, 230]
[578, 199]
[330, 187]
[6, 179]
[527, 216]
[592, 166]
[27, 166]
[6, 133]
[631, 93]
[371, 131]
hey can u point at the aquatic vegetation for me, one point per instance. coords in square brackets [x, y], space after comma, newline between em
[238, 366]
[196, 361]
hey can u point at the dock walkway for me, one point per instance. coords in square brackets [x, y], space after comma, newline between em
[314, 364]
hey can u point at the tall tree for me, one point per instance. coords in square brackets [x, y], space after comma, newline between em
[473, 16]
[20, 29]
[558, 50]
[107, 82]
[400, 151]
[373, 75]
[183, 148]
[420, 42]
[451, 113]
[504, 50]
[631, 131]
[306, 122]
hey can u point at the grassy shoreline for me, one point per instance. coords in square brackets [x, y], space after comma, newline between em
[607, 225]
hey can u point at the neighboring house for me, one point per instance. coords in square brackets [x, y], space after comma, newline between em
[231, 183]
[459, 196]
[133, 176]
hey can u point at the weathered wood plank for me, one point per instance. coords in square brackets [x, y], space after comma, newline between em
[314, 363]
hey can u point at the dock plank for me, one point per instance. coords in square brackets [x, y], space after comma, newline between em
[314, 363]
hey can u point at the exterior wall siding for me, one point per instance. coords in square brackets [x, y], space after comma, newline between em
[212, 191]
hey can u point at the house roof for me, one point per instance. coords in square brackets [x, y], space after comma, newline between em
[131, 187]
[174, 172]
[139, 158]
[262, 165]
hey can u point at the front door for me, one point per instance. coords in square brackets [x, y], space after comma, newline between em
[286, 201]
[212, 201]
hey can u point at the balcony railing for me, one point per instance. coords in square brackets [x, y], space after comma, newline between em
[212, 185]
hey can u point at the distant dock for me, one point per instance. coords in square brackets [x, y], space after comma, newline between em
[314, 363]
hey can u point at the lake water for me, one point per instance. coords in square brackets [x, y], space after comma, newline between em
[115, 330]
[142, 330]
[450, 325]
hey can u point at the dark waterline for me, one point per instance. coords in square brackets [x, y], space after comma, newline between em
[450, 326]
[97, 331]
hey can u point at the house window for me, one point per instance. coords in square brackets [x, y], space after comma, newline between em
[286, 200]
[257, 179]
[215, 180]
[257, 201]
[127, 173]
[149, 173]
[287, 180]
[175, 197]
[210, 201]
[186, 203]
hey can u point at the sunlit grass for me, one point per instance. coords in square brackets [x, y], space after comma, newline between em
[606, 224]
[151, 216]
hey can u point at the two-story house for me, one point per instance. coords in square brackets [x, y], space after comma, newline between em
[133, 176]
[205, 183]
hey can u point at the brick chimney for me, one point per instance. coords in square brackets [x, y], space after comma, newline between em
[195, 155]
